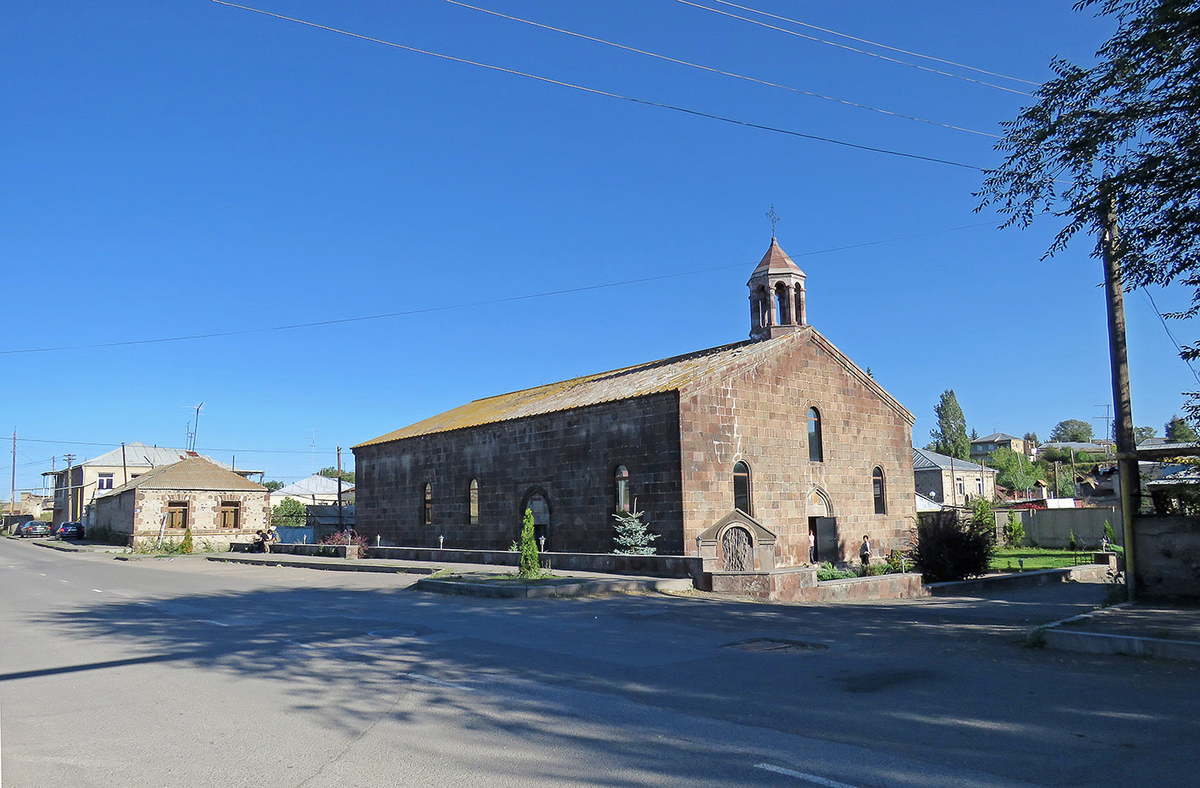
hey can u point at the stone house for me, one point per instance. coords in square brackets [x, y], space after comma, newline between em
[77, 486]
[951, 481]
[745, 454]
[217, 505]
[982, 447]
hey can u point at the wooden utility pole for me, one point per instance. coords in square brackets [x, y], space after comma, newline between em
[1127, 466]
[341, 520]
[70, 491]
[12, 494]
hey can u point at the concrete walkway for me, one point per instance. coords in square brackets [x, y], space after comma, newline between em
[1140, 629]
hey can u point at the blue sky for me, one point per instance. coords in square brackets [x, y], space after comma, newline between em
[184, 168]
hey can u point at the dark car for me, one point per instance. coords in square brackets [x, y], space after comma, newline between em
[69, 531]
[34, 528]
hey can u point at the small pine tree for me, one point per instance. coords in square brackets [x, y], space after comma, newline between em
[1072, 543]
[632, 537]
[1108, 532]
[1014, 531]
[186, 545]
[528, 567]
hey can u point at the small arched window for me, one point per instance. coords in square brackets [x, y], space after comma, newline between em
[427, 505]
[621, 488]
[878, 490]
[815, 452]
[473, 502]
[741, 487]
[781, 305]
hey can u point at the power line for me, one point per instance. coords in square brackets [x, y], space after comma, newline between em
[849, 48]
[464, 305]
[202, 449]
[608, 94]
[877, 44]
[1174, 341]
[722, 72]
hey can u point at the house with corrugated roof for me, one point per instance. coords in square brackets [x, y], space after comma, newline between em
[743, 454]
[982, 447]
[215, 504]
[950, 481]
[315, 490]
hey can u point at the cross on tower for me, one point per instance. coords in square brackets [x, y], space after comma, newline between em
[773, 218]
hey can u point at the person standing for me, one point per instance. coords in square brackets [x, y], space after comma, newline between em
[864, 551]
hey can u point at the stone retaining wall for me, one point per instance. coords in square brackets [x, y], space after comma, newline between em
[799, 584]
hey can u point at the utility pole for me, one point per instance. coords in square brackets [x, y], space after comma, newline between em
[341, 524]
[1127, 467]
[124, 466]
[12, 494]
[70, 491]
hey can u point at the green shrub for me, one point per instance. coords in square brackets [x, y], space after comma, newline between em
[828, 571]
[528, 567]
[1072, 543]
[632, 537]
[1014, 531]
[949, 550]
[186, 546]
[897, 562]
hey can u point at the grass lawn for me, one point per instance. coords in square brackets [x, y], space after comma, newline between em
[1006, 558]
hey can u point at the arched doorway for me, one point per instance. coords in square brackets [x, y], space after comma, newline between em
[822, 529]
[538, 502]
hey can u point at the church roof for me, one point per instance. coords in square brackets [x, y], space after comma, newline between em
[776, 261]
[641, 380]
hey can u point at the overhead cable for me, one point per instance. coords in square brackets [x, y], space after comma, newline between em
[722, 72]
[598, 92]
[852, 49]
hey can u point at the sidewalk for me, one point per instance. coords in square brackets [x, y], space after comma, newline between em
[478, 579]
[1144, 629]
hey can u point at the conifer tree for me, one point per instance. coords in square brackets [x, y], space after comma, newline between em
[632, 537]
[528, 566]
[950, 437]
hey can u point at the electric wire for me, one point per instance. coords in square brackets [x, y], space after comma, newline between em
[876, 43]
[722, 72]
[1174, 341]
[609, 94]
[854, 49]
[469, 304]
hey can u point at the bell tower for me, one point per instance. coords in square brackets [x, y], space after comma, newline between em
[776, 295]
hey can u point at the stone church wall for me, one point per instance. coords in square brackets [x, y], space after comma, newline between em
[570, 455]
[759, 415]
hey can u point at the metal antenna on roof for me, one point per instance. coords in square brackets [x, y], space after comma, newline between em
[191, 432]
[773, 218]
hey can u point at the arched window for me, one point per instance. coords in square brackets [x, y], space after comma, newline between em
[427, 506]
[878, 489]
[815, 452]
[473, 502]
[782, 305]
[621, 488]
[741, 487]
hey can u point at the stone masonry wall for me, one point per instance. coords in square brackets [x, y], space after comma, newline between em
[760, 416]
[570, 456]
[203, 515]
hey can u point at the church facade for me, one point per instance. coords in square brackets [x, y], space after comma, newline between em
[774, 451]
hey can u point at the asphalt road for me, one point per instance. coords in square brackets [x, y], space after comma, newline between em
[190, 673]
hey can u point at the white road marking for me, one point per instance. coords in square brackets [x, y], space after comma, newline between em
[68, 582]
[97, 590]
[216, 623]
[43, 574]
[438, 682]
[301, 645]
[812, 778]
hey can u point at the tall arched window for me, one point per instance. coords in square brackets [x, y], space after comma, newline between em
[781, 305]
[473, 502]
[815, 452]
[878, 489]
[621, 488]
[427, 506]
[741, 487]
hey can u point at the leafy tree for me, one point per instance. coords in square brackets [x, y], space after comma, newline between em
[1031, 440]
[1071, 431]
[1014, 530]
[1128, 124]
[290, 513]
[1142, 433]
[528, 566]
[947, 549]
[1014, 471]
[272, 485]
[1179, 431]
[632, 537]
[950, 437]
[332, 473]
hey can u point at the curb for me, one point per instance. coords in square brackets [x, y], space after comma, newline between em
[567, 589]
[331, 564]
[1018, 580]
[1054, 636]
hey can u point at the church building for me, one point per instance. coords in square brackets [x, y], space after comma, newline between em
[770, 452]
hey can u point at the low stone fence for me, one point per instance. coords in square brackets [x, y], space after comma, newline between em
[296, 548]
[609, 563]
[799, 584]
[1168, 556]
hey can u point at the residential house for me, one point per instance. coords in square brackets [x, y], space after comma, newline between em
[982, 447]
[951, 481]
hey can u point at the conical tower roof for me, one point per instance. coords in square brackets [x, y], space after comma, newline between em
[776, 261]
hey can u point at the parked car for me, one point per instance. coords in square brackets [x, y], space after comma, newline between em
[34, 528]
[69, 531]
